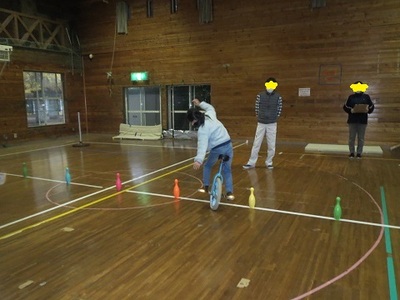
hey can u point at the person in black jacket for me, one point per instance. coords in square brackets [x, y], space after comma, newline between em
[357, 107]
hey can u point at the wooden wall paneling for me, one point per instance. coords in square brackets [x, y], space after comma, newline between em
[235, 54]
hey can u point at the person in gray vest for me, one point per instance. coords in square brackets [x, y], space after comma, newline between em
[268, 109]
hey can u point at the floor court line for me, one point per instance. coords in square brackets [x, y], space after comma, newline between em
[54, 180]
[240, 206]
[389, 252]
[156, 171]
[339, 276]
[95, 193]
[351, 268]
[70, 144]
[148, 174]
[33, 150]
[327, 283]
[103, 190]
[273, 210]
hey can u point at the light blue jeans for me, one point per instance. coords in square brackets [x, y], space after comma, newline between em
[226, 169]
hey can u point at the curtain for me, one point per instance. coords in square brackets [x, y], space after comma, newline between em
[122, 17]
[205, 11]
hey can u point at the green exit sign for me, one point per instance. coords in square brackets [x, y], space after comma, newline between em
[139, 76]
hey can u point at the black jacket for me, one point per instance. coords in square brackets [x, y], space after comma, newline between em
[358, 98]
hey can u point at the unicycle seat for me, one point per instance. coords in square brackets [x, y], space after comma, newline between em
[223, 157]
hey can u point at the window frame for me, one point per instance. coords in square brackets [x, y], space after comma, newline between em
[44, 98]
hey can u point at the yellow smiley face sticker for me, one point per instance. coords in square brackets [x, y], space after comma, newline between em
[359, 87]
[270, 85]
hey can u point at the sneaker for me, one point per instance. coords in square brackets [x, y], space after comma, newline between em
[246, 167]
[359, 156]
[204, 189]
[351, 155]
[230, 196]
[270, 167]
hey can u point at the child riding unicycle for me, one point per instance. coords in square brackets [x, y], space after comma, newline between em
[212, 136]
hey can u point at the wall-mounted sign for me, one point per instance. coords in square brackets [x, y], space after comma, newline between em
[304, 92]
[139, 76]
[330, 74]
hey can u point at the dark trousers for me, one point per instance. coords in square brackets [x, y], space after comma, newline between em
[356, 130]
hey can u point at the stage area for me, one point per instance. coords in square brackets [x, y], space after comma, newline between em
[334, 148]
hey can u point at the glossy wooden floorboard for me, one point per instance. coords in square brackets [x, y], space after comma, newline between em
[86, 240]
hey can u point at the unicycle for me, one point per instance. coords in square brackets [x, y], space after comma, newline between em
[216, 188]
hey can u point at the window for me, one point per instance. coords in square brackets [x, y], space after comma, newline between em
[180, 99]
[44, 99]
[142, 106]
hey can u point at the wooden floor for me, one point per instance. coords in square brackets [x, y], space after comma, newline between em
[88, 241]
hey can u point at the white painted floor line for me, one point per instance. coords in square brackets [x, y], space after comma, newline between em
[168, 167]
[167, 196]
[86, 196]
[273, 210]
[53, 180]
[54, 208]
[326, 218]
[76, 200]
[39, 149]
[95, 193]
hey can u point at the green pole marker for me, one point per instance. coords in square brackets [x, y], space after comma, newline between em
[24, 170]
